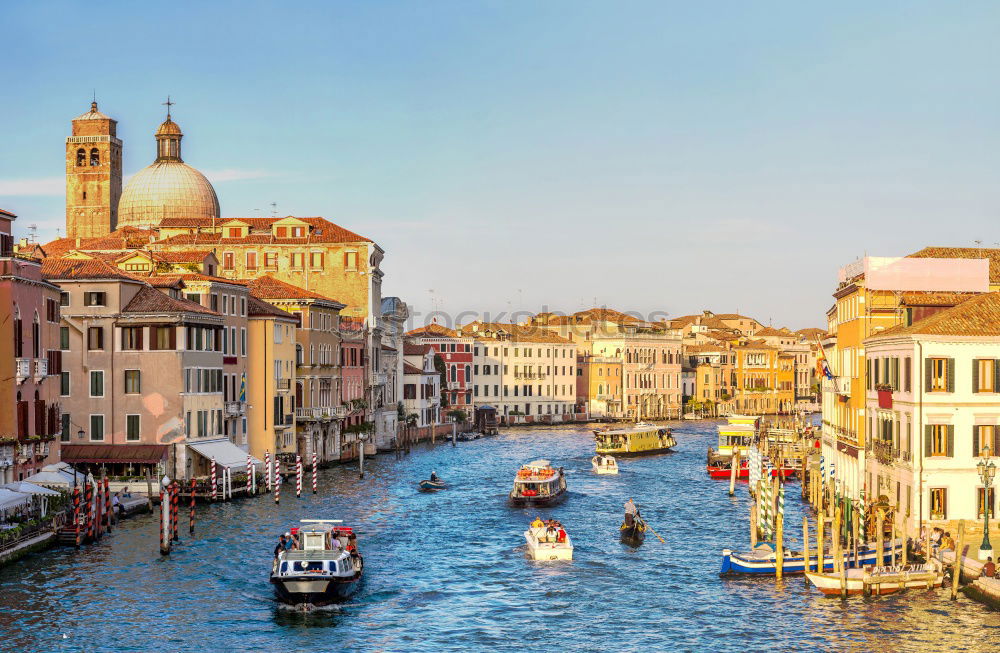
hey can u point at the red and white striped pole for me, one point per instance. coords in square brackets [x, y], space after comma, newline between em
[314, 472]
[76, 513]
[90, 510]
[175, 495]
[107, 502]
[277, 488]
[249, 473]
[215, 485]
[191, 522]
[267, 470]
[298, 475]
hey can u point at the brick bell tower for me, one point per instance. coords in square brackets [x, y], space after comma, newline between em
[93, 175]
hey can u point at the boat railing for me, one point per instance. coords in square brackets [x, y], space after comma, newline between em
[312, 555]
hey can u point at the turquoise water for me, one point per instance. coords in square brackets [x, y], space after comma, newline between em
[447, 570]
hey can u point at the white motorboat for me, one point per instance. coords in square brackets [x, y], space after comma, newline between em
[326, 568]
[604, 464]
[544, 543]
[880, 580]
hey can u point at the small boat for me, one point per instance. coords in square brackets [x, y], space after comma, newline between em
[544, 544]
[467, 436]
[538, 484]
[724, 470]
[640, 440]
[326, 568]
[880, 580]
[604, 464]
[763, 559]
[635, 533]
[428, 484]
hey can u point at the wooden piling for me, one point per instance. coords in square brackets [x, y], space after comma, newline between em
[956, 570]
[164, 523]
[820, 554]
[779, 550]
[879, 537]
[753, 525]
[76, 513]
[174, 498]
[805, 542]
[892, 540]
[838, 556]
[902, 536]
[735, 463]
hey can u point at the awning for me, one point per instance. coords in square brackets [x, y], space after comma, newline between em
[56, 474]
[29, 488]
[10, 499]
[134, 454]
[225, 453]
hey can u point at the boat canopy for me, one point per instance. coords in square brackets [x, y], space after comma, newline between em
[539, 464]
[631, 430]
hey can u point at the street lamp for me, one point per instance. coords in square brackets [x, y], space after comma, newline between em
[987, 470]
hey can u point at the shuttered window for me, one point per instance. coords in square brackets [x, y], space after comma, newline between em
[985, 375]
[983, 436]
[939, 375]
[939, 503]
[939, 440]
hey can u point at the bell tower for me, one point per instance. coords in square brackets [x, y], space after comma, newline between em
[93, 175]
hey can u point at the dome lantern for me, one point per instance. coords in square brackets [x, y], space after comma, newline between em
[168, 138]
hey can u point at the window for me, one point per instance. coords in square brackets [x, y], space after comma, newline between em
[95, 338]
[81, 156]
[985, 435]
[984, 375]
[270, 259]
[94, 299]
[131, 338]
[298, 260]
[984, 500]
[235, 232]
[251, 260]
[132, 428]
[939, 440]
[97, 428]
[316, 259]
[64, 338]
[243, 341]
[939, 503]
[97, 383]
[133, 384]
[162, 338]
[351, 260]
[64, 434]
[64, 384]
[228, 258]
[95, 157]
[940, 373]
[907, 374]
[64, 299]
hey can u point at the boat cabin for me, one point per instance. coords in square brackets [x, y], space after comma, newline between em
[537, 479]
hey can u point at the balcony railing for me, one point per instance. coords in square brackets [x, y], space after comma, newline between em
[41, 369]
[283, 384]
[320, 412]
[235, 408]
[22, 369]
[887, 454]
[454, 385]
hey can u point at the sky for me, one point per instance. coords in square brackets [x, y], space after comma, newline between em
[515, 155]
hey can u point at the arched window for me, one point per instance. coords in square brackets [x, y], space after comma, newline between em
[81, 157]
[95, 157]
[454, 372]
[298, 356]
[468, 373]
[36, 336]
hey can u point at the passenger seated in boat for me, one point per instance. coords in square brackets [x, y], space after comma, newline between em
[434, 477]
[281, 546]
[561, 536]
[352, 542]
[551, 534]
[538, 523]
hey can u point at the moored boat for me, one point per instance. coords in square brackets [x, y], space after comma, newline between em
[548, 543]
[327, 566]
[640, 440]
[724, 470]
[538, 484]
[604, 464]
[880, 580]
[763, 559]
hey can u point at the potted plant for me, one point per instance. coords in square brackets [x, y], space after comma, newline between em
[884, 391]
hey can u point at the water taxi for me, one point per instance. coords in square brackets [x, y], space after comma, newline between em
[763, 559]
[327, 566]
[640, 440]
[548, 543]
[880, 580]
[538, 484]
[604, 464]
[723, 469]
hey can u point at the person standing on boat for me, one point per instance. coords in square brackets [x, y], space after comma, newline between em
[630, 511]
[280, 546]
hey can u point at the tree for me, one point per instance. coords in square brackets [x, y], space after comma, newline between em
[442, 369]
[458, 415]
[412, 419]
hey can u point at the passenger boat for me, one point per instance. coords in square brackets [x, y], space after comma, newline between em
[763, 559]
[724, 470]
[467, 436]
[634, 534]
[604, 464]
[326, 568]
[544, 544]
[880, 580]
[640, 440]
[428, 484]
[538, 484]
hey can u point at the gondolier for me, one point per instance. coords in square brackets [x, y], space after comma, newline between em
[630, 511]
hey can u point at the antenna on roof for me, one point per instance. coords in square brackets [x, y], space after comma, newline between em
[274, 208]
[33, 228]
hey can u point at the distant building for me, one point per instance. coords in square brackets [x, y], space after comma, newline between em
[455, 351]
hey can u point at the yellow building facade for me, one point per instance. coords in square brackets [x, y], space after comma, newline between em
[271, 367]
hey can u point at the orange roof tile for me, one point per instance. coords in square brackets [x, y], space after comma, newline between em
[82, 269]
[977, 316]
[434, 330]
[151, 300]
[517, 332]
[267, 287]
[257, 307]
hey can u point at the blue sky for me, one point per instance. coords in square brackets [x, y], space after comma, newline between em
[512, 155]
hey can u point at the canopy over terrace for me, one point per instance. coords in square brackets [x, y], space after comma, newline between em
[55, 475]
[116, 459]
[225, 453]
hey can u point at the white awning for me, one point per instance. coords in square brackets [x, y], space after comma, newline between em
[29, 488]
[226, 453]
[10, 499]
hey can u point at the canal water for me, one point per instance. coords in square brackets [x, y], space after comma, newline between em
[448, 570]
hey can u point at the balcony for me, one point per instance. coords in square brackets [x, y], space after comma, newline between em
[41, 369]
[887, 454]
[454, 385]
[22, 369]
[283, 384]
[235, 408]
[319, 413]
[283, 421]
[381, 378]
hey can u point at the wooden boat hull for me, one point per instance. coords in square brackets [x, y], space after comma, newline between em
[432, 485]
[744, 472]
[794, 562]
[857, 580]
[633, 535]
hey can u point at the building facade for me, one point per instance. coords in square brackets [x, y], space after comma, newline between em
[271, 369]
[93, 175]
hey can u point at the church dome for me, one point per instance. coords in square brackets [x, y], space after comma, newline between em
[169, 188]
[166, 189]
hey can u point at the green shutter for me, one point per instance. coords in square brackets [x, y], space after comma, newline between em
[975, 375]
[928, 371]
[951, 440]
[951, 375]
[895, 374]
[928, 433]
[996, 375]
[996, 440]
[868, 375]
[975, 440]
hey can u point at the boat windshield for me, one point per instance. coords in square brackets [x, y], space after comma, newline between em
[303, 566]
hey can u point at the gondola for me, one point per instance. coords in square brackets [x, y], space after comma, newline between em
[634, 534]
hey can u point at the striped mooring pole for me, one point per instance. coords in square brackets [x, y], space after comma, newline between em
[277, 485]
[76, 513]
[191, 518]
[249, 473]
[298, 475]
[90, 508]
[175, 495]
[215, 485]
[314, 472]
[267, 470]
[107, 501]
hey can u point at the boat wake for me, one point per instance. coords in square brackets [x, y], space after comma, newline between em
[308, 608]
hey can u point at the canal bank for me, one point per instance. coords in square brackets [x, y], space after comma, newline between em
[447, 569]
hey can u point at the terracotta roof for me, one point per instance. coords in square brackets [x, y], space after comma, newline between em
[121, 238]
[935, 298]
[771, 331]
[259, 308]
[434, 330]
[811, 333]
[977, 316]
[321, 231]
[413, 349]
[388, 348]
[151, 300]
[965, 252]
[733, 316]
[7, 213]
[81, 269]
[165, 282]
[194, 276]
[699, 349]
[267, 287]
[413, 369]
[518, 333]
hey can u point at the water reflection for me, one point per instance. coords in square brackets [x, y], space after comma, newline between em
[448, 568]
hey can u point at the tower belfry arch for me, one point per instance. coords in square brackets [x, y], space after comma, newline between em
[93, 175]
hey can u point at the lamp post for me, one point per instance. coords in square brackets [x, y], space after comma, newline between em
[987, 470]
